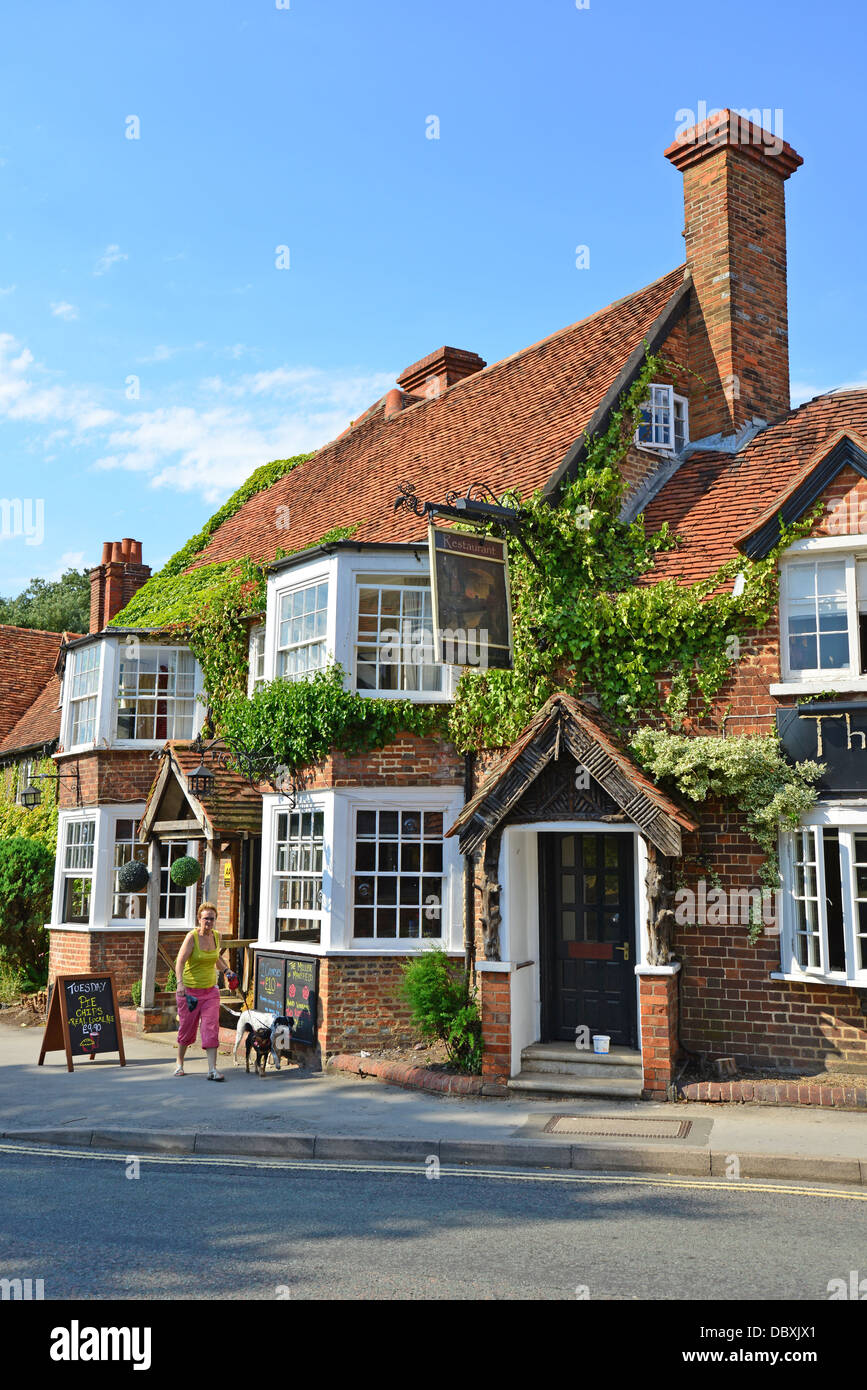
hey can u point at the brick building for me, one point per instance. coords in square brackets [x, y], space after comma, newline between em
[505, 847]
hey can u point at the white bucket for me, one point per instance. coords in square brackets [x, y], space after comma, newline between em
[600, 1042]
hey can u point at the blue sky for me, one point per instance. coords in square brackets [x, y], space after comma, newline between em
[305, 127]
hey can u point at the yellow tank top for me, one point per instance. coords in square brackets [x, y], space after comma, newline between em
[200, 970]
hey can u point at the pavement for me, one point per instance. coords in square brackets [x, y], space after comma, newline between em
[297, 1113]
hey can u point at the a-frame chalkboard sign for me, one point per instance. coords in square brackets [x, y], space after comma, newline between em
[83, 1018]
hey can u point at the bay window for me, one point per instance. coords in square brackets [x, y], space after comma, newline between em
[825, 921]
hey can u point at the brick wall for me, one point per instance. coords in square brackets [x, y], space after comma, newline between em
[120, 952]
[107, 775]
[360, 1005]
[495, 1008]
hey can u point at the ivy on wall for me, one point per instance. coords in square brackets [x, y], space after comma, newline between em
[40, 823]
[589, 614]
[301, 722]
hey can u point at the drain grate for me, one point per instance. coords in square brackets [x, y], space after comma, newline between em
[618, 1127]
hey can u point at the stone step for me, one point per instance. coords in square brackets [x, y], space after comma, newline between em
[545, 1086]
[561, 1059]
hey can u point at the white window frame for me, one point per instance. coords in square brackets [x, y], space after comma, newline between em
[64, 872]
[195, 704]
[663, 399]
[321, 570]
[848, 821]
[256, 658]
[289, 595]
[107, 697]
[68, 719]
[799, 683]
[316, 914]
[823, 677]
[384, 582]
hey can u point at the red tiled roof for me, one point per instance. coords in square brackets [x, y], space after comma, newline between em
[38, 725]
[27, 660]
[713, 499]
[509, 425]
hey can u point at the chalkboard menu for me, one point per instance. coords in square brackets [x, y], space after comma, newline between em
[287, 985]
[83, 1018]
[270, 984]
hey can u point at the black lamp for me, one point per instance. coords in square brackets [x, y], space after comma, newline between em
[31, 796]
[201, 781]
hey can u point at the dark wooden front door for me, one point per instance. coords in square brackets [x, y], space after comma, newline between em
[587, 935]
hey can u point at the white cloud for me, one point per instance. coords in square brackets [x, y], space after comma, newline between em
[64, 311]
[69, 560]
[110, 256]
[212, 450]
[8, 289]
[28, 394]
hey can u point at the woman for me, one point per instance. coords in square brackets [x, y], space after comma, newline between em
[196, 972]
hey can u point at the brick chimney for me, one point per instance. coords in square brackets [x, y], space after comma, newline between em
[439, 370]
[115, 580]
[733, 183]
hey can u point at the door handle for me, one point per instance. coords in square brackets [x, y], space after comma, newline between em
[625, 949]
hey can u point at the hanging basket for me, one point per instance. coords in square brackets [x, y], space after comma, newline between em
[132, 877]
[186, 871]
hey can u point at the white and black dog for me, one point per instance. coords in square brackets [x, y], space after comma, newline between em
[265, 1034]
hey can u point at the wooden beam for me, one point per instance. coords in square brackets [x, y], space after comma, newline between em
[190, 828]
[152, 927]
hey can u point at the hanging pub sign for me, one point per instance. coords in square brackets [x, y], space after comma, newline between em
[833, 733]
[83, 1018]
[287, 985]
[471, 610]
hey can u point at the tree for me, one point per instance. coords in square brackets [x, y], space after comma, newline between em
[59, 605]
[26, 878]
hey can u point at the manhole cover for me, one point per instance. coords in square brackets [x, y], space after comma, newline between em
[618, 1127]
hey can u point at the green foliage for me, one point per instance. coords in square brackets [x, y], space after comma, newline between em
[171, 982]
[751, 769]
[299, 722]
[11, 981]
[172, 600]
[186, 871]
[263, 478]
[40, 823]
[60, 605]
[26, 882]
[135, 991]
[442, 1006]
[586, 619]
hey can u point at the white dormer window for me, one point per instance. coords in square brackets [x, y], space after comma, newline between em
[664, 421]
[257, 658]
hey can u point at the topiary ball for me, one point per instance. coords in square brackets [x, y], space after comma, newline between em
[132, 877]
[186, 871]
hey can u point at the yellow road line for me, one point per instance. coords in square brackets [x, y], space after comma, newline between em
[331, 1165]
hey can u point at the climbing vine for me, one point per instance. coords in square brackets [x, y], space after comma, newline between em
[300, 722]
[588, 614]
[40, 823]
[751, 769]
